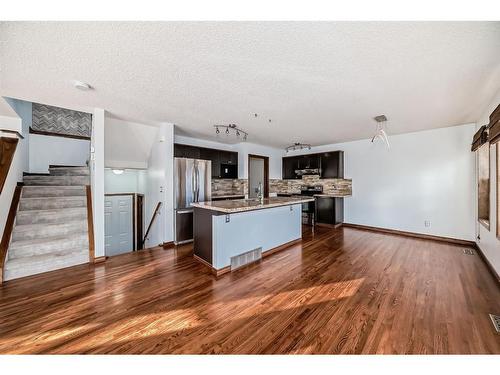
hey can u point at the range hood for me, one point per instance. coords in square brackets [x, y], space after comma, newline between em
[307, 171]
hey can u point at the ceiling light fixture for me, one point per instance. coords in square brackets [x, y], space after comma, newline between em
[231, 128]
[118, 171]
[81, 85]
[380, 132]
[298, 146]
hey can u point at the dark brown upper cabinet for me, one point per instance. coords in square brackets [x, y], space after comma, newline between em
[185, 151]
[227, 157]
[308, 161]
[289, 165]
[219, 158]
[332, 164]
[329, 164]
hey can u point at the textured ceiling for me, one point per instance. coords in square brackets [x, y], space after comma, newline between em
[319, 82]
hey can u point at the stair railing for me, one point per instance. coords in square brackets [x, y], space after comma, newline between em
[7, 149]
[155, 214]
[9, 225]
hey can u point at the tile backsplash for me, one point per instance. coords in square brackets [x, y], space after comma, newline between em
[339, 186]
[240, 186]
[229, 187]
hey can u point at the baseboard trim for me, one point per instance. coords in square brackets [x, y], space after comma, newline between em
[168, 245]
[100, 259]
[333, 226]
[222, 271]
[213, 270]
[492, 270]
[454, 241]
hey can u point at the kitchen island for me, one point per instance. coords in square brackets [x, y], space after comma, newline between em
[229, 234]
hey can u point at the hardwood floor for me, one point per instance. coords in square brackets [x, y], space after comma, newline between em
[339, 291]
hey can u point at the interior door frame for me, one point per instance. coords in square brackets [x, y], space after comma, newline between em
[266, 173]
[134, 213]
[138, 240]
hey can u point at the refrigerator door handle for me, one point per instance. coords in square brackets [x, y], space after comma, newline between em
[193, 182]
[197, 184]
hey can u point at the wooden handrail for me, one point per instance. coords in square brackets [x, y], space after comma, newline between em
[9, 225]
[157, 209]
[7, 149]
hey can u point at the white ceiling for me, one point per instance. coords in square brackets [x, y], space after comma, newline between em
[319, 82]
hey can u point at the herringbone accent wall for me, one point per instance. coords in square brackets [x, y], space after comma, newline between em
[61, 121]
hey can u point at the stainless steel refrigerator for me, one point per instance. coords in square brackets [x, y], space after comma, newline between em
[193, 183]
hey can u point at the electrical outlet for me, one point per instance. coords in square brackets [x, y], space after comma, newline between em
[427, 223]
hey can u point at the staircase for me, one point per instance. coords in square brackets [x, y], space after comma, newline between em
[51, 230]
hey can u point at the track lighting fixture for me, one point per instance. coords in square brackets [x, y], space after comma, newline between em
[231, 128]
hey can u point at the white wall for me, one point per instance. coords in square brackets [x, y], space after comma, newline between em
[97, 179]
[24, 110]
[488, 242]
[427, 175]
[40, 151]
[128, 144]
[46, 150]
[159, 187]
[9, 119]
[243, 149]
[130, 181]
[256, 176]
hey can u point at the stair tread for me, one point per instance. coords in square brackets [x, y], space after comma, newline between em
[53, 210]
[42, 225]
[42, 258]
[54, 177]
[37, 241]
[63, 187]
[67, 197]
[67, 166]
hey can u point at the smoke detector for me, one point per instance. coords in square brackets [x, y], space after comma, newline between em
[81, 85]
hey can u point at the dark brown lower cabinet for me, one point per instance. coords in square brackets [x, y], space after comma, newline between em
[329, 210]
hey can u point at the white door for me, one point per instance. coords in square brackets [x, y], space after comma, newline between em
[118, 230]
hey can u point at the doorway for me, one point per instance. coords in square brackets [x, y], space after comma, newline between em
[258, 175]
[123, 223]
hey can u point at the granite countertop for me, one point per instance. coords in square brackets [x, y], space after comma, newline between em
[227, 195]
[333, 195]
[241, 205]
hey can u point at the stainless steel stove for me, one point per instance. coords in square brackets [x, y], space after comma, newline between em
[309, 208]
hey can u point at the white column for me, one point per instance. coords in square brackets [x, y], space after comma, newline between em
[97, 179]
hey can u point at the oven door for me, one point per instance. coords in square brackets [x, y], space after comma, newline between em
[308, 207]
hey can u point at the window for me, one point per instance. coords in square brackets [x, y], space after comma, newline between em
[483, 159]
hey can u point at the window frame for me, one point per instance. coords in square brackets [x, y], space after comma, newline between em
[485, 149]
[498, 190]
